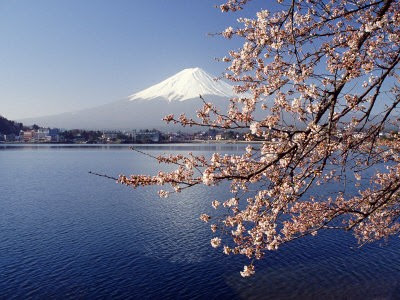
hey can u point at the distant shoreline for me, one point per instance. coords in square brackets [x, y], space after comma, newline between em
[130, 144]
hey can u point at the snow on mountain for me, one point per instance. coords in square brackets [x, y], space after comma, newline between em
[145, 109]
[187, 84]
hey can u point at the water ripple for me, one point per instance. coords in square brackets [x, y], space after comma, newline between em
[67, 235]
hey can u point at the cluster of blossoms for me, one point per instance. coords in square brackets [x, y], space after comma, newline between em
[319, 82]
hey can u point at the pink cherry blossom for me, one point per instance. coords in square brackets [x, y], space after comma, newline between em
[318, 86]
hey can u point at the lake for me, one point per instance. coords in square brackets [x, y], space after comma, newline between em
[66, 234]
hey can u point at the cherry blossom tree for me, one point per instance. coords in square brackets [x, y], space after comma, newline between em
[318, 85]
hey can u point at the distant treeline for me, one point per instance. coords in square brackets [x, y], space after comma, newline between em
[10, 127]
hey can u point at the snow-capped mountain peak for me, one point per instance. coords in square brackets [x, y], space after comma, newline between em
[145, 109]
[187, 84]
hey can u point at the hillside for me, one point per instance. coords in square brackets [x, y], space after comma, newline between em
[9, 127]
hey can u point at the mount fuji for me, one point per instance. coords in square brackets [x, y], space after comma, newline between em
[185, 85]
[145, 109]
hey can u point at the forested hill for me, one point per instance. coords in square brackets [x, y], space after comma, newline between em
[8, 127]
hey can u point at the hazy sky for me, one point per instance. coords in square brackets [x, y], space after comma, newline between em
[64, 55]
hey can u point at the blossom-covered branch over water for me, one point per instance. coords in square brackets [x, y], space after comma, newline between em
[319, 83]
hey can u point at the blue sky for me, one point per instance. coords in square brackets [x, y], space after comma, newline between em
[64, 55]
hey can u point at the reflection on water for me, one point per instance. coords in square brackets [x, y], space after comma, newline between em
[67, 234]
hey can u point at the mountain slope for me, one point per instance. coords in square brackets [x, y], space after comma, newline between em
[145, 109]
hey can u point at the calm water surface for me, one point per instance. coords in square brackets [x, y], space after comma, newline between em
[65, 234]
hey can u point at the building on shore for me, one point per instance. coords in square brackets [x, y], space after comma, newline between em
[41, 135]
[146, 136]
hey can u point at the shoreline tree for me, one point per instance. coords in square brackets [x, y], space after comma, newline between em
[318, 83]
